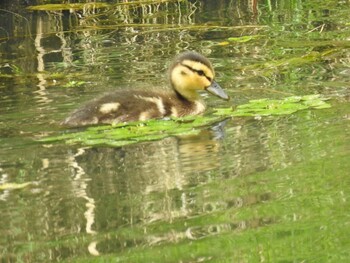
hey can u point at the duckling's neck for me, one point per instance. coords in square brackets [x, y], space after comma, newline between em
[186, 94]
[189, 106]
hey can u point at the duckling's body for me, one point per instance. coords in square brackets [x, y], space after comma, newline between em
[189, 73]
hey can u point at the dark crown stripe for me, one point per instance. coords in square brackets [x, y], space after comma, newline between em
[199, 72]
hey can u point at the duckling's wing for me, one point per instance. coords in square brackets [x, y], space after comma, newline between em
[121, 107]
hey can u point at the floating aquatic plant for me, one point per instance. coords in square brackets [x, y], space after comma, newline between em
[129, 133]
[268, 107]
[14, 186]
[60, 7]
[81, 6]
[242, 39]
[133, 132]
[73, 84]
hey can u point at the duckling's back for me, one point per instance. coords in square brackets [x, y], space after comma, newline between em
[133, 105]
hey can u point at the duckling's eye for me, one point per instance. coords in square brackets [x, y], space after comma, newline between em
[200, 72]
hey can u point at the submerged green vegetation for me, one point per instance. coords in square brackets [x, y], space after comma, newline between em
[123, 134]
[264, 179]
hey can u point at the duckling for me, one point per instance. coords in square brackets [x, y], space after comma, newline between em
[190, 72]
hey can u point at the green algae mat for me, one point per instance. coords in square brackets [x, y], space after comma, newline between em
[129, 133]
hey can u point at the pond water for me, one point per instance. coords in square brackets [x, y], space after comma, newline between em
[248, 189]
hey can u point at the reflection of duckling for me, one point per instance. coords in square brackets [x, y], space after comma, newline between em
[189, 72]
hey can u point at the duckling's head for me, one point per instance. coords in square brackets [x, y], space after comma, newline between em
[191, 72]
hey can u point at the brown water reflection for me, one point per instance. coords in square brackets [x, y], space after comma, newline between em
[145, 169]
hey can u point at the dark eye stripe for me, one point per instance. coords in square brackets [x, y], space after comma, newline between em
[199, 72]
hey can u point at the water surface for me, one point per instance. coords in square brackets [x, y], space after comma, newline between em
[269, 189]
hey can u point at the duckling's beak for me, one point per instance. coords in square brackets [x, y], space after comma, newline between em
[215, 89]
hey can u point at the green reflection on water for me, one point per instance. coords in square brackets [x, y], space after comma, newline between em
[177, 199]
[295, 214]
